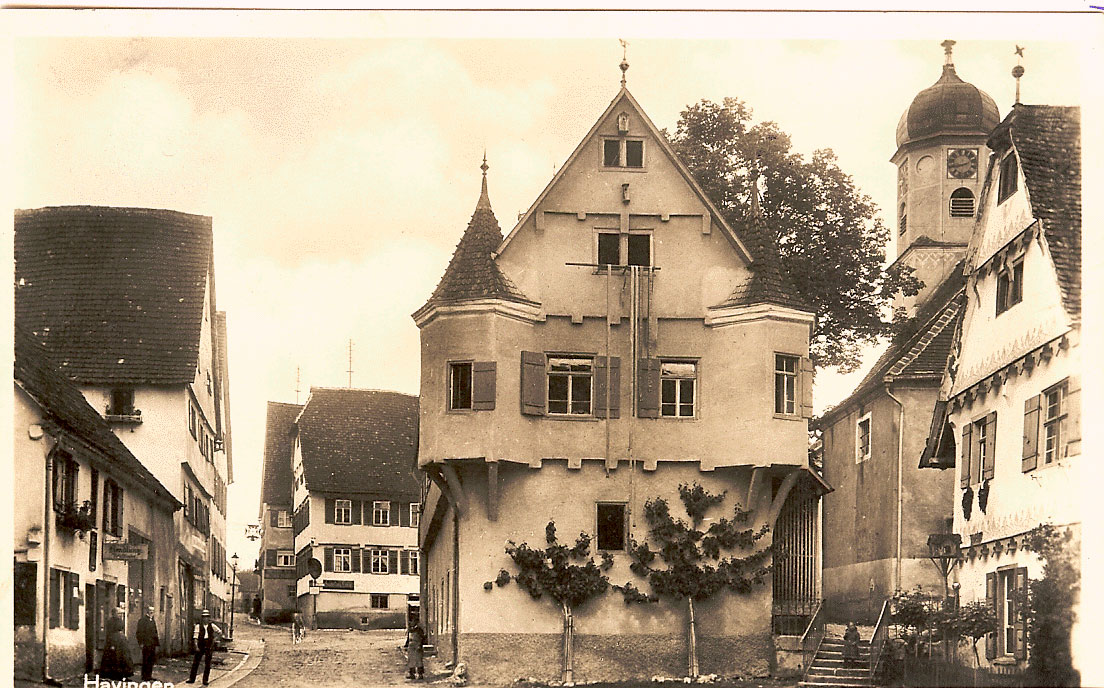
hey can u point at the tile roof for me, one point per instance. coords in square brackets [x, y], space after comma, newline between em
[357, 441]
[768, 282]
[472, 273]
[276, 476]
[65, 406]
[116, 294]
[1048, 142]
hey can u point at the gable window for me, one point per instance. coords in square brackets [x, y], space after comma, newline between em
[785, 384]
[1054, 415]
[623, 153]
[380, 561]
[379, 601]
[285, 558]
[1010, 285]
[343, 511]
[122, 402]
[1008, 180]
[569, 385]
[609, 248]
[381, 513]
[343, 559]
[962, 203]
[611, 526]
[415, 514]
[615, 248]
[640, 249]
[678, 383]
[862, 439]
[460, 386]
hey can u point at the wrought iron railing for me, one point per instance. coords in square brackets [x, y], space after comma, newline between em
[879, 638]
[812, 638]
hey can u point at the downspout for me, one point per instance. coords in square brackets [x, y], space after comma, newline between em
[46, 569]
[455, 587]
[900, 459]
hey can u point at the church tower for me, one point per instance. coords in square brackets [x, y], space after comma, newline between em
[940, 152]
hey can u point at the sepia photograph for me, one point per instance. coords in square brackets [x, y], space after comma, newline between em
[549, 348]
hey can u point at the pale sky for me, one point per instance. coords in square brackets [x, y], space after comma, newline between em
[339, 155]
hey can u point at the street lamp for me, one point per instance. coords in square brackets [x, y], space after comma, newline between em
[233, 580]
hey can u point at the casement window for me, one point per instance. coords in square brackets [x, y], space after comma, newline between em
[978, 450]
[1005, 590]
[623, 153]
[1008, 178]
[343, 512]
[380, 561]
[65, 475]
[612, 522]
[342, 560]
[415, 514]
[1010, 285]
[570, 383]
[1054, 413]
[122, 402]
[65, 602]
[283, 519]
[962, 203]
[381, 513]
[408, 562]
[379, 601]
[112, 508]
[285, 558]
[460, 386]
[785, 384]
[617, 249]
[862, 438]
[1052, 424]
[193, 420]
[678, 388]
[472, 385]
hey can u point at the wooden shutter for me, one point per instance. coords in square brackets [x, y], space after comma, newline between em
[647, 388]
[967, 447]
[366, 557]
[273, 518]
[805, 387]
[330, 510]
[392, 560]
[991, 598]
[356, 512]
[107, 506]
[327, 558]
[1073, 415]
[1031, 434]
[270, 557]
[1019, 623]
[990, 446]
[604, 367]
[354, 556]
[404, 564]
[118, 507]
[72, 609]
[404, 515]
[55, 598]
[533, 383]
[393, 519]
[95, 494]
[484, 374]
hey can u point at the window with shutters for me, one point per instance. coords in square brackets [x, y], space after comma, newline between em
[785, 384]
[982, 448]
[343, 560]
[379, 601]
[1054, 416]
[862, 439]
[411, 562]
[283, 519]
[962, 203]
[1010, 285]
[381, 513]
[570, 380]
[65, 475]
[415, 514]
[678, 388]
[343, 511]
[612, 525]
[379, 559]
[1008, 178]
[285, 558]
[113, 508]
[460, 386]
[1008, 611]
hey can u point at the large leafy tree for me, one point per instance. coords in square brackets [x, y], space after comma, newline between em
[830, 237]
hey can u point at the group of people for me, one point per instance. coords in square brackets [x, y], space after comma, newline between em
[116, 661]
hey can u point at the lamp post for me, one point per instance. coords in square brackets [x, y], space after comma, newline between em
[233, 581]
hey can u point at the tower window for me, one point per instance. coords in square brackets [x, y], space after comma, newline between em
[962, 203]
[1008, 181]
[904, 219]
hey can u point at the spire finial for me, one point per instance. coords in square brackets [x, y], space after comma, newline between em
[624, 59]
[756, 210]
[484, 198]
[1018, 71]
[948, 46]
[484, 166]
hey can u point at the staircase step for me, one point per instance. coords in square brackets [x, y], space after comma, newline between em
[838, 654]
[824, 684]
[858, 672]
[839, 680]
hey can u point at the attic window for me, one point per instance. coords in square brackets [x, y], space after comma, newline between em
[1008, 177]
[122, 402]
[623, 153]
[635, 247]
[1010, 285]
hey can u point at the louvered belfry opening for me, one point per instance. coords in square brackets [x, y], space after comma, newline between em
[795, 554]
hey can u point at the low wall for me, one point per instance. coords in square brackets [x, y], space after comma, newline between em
[355, 619]
[788, 657]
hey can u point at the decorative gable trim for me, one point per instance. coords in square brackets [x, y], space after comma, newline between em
[665, 146]
[1022, 365]
[735, 315]
[524, 312]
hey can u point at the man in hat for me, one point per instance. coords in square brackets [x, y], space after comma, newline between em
[204, 638]
[146, 635]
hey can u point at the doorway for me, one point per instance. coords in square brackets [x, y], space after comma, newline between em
[91, 623]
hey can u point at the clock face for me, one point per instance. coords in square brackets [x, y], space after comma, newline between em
[962, 163]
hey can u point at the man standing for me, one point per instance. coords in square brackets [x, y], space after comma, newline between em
[204, 638]
[146, 635]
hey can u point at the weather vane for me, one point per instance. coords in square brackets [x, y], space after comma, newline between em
[624, 58]
[1018, 71]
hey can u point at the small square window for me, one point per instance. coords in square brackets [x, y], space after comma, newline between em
[611, 526]
[862, 439]
[611, 153]
[343, 512]
[460, 386]
[640, 249]
[634, 154]
[381, 513]
[678, 387]
[609, 248]
[283, 519]
[285, 559]
[379, 601]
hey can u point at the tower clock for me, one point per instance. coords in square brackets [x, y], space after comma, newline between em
[962, 163]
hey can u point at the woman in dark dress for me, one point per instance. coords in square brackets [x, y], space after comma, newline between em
[851, 644]
[116, 662]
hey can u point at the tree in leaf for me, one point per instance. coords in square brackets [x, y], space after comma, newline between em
[1052, 607]
[566, 575]
[974, 621]
[694, 564]
[828, 233]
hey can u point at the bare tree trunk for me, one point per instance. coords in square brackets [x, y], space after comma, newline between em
[568, 645]
[693, 664]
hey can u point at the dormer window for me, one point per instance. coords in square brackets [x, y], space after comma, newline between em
[1008, 177]
[615, 248]
[623, 153]
[1010, 285]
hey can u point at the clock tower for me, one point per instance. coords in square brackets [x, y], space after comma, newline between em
[940, 161]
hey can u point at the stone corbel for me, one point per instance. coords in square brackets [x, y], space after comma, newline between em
[983, 551]
[459, 498]
[780, 498]
[492, 490]
[755, 486]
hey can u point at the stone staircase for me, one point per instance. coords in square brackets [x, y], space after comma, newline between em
[829, 669]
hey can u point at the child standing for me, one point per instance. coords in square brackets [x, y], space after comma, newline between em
[415, 639]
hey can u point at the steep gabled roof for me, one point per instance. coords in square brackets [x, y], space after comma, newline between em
[115, 294]
[472, 272]
[1047, 139]
[276, 476]
[65, 406]
[358, 441]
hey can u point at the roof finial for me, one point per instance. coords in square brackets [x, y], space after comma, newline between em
[624, 59]
[1018, 71]
[948, 46]
[756, 210]
[484, 198]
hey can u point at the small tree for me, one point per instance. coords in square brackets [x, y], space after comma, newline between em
[695, 568]
[974, 621]
[567, 575]
[1051, 607]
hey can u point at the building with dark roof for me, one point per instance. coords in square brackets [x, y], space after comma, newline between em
[276, 562]
[84, 498]
[123, 299]
[622, 339]
[357, 505]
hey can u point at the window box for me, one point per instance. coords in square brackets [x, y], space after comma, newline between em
[75, 518]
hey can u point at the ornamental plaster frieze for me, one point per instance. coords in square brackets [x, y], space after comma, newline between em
[973, 369]
[986, 528]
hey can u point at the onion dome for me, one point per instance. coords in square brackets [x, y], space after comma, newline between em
[949, 106]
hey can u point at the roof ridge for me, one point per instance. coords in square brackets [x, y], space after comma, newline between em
[354, 389]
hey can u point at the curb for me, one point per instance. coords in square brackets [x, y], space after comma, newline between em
[254, 653]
